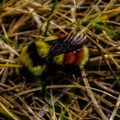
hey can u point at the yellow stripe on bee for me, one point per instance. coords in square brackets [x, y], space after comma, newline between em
[85, 56]
[59, 59]
[25, 59]
[50, 38]
[38, 70]
[43, 48]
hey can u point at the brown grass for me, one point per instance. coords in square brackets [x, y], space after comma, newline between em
[95, 94]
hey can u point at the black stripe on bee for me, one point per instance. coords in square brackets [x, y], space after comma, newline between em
[34, 56]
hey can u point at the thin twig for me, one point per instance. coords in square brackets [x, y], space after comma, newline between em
[91, 95]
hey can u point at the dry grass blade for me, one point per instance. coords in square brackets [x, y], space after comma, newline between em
[7, 112]
[91, 95]
[94, 94]
[115, 109]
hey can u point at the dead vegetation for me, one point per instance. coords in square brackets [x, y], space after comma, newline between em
[95, 94]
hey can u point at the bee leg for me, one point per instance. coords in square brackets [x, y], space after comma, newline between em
[73, 69]
[27, 74]
[43, 89]
[48, 72]
[43, 82]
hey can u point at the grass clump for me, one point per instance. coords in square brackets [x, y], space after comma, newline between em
[95, 94]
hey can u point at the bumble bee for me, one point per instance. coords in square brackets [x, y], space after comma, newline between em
[62, 52]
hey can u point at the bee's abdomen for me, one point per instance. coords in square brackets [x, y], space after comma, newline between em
[69, 58]
[79, 57]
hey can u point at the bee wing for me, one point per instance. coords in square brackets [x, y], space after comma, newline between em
[69, 43]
